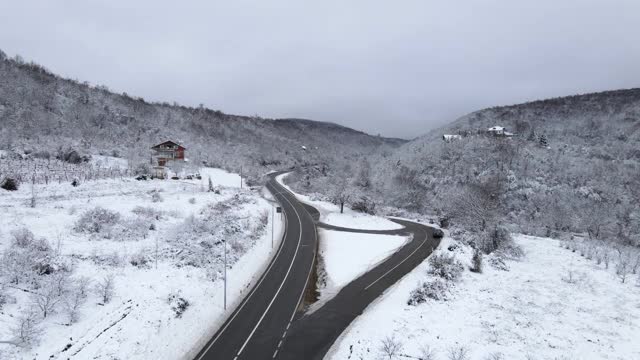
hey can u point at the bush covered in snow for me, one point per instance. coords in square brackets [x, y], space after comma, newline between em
[108, 224]
[445, 266]
[96, 220]
[202, 237]
[178, 304]
[435, 289]
[29, 257]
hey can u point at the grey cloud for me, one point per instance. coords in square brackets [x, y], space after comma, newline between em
[397, 68]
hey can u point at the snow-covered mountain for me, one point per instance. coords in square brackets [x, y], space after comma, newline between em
[40, 112]
[572, 164]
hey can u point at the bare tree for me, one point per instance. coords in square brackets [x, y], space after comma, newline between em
[606, 257]
[495, 356]
[82, 284]
[47, 298]
[105, 288]
[391, 347]
[341, 193]
[478, 204]
[458, 353]
[27, 330]
[427, 353]
[623, 267]
[74, 300]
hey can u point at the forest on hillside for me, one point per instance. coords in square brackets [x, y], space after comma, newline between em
[44, 115]
[573, 167]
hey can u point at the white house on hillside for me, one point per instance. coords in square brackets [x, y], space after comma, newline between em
[499, 131]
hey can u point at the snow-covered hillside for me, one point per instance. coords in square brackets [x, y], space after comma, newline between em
[158, 243]
[552, 304]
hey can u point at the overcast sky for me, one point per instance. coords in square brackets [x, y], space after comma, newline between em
[398, 68]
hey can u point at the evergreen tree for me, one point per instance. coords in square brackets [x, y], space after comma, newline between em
[542, 140]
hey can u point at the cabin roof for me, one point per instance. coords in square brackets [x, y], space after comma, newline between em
[168, 142]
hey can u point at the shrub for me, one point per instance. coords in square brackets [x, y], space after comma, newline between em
[9, 184]
[458, 353]
[96, 220]
[156, 197]
[476, 261]
[365, 205]
[71, 156]
[436, 289]
[139, 260]
[142, 169]
[22, 237]
[192, 200]
[75, 183]
[178, 304]
[497, 261]
[445, 266]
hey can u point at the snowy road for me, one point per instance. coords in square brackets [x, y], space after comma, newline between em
[257, 328]
[265, 325]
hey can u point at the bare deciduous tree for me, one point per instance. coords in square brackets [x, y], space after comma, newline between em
[105, 288]
[391, 347]
[427, 353]
[47, 298]
[27, 330]
[458, 353]
[623, 267]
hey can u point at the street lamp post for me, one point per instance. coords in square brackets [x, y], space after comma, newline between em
[225, 274]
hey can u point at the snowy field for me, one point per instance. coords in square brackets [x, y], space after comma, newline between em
[552, 304]
[153, 311]
[346, 256]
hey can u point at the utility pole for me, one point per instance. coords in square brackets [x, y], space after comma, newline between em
[156, 253]
[225, 274]
[240, 176]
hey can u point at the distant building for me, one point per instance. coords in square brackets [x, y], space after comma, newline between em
[166, 154]
[499, 131]
[449, 138]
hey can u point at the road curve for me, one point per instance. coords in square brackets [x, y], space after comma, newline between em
[258, 326]
[311, 336]
[267, 323]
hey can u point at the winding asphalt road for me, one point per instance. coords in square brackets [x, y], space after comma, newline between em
[269, 322]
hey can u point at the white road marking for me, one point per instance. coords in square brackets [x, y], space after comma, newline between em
[281, 285]
[246, 300]
[400, 263]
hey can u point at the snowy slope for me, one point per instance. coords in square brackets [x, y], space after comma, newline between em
[529, 312]
[138, 323]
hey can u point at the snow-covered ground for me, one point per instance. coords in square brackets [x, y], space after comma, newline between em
[344, 256]
[330, 214]
[531, 311]
[348, 255]
[355, 220]
[138, 322]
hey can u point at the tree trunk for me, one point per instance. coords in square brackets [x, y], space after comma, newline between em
[341, 207]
